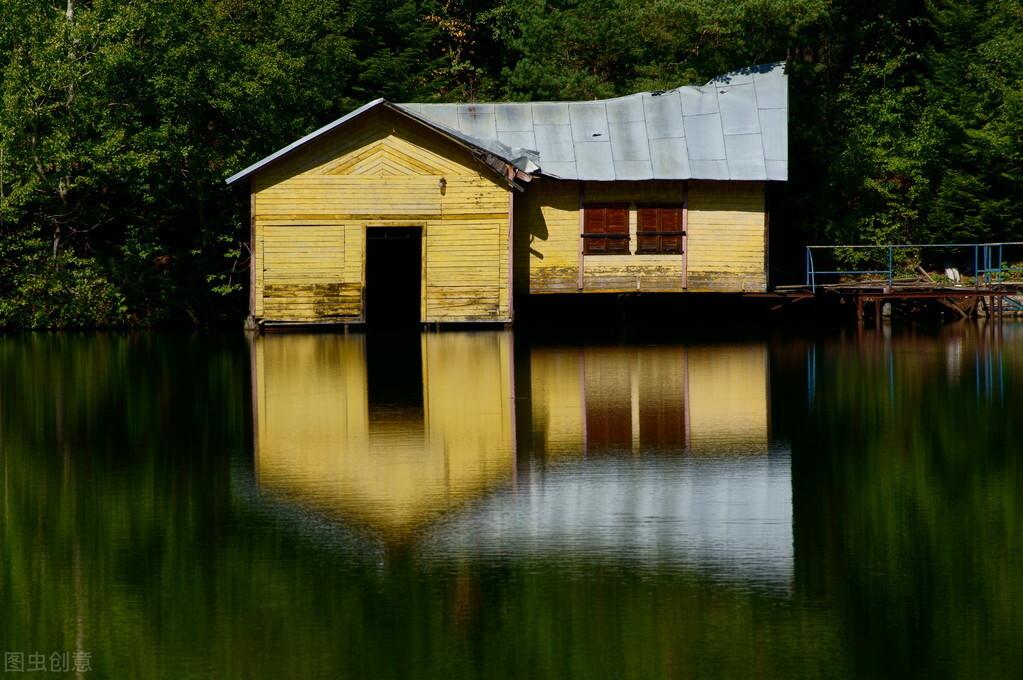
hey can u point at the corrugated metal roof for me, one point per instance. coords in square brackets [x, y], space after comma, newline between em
[733, 128]
[490, 148]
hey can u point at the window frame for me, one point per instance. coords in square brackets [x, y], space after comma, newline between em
[643, 236]
[590, 238]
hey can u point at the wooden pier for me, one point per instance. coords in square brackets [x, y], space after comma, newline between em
[869, 298]
[991, 287]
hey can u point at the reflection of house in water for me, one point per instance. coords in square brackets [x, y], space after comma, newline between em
[394, 434]
[724, 510]
[707, 399]
[389, 433]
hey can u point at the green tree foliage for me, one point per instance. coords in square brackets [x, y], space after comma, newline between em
[119, 120]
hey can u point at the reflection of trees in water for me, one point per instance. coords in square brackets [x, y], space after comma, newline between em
[116, 493]
[907, 498]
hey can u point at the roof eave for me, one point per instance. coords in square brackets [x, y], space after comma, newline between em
[499, 166]
[284, 151]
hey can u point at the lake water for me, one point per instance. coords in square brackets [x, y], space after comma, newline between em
[485, 505]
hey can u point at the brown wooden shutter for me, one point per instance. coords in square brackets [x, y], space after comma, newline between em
[648, 243]
[660, 229]
[671, 221]
[618, 223]
[594, 222]
[599, 220]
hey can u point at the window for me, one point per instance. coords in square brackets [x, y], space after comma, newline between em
[605, 229]
[660, 229]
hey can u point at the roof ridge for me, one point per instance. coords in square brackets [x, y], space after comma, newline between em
[712, 133]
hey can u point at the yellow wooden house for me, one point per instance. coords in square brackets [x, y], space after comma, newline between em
[446, 212]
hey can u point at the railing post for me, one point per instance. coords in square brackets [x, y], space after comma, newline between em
[976, 264]
[890, 268]
[813, 274]
[808, 265]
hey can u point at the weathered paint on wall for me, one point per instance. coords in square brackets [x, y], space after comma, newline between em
[697, 399]
[726, 247]
[727, 237]
[547, 237]
[319, 439]
[311, 211]
[312, 208]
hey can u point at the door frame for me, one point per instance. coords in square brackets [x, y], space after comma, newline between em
[410, 224]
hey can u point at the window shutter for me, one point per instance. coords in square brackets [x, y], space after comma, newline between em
[599, 220]
[660, 229]
[594, 222]
[618, 223]
[671, 221]
[617, 220]
[648, 243]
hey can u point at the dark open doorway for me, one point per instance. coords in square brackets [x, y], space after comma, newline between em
[393, 276]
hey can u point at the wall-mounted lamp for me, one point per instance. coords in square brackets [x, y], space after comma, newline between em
[443, 184]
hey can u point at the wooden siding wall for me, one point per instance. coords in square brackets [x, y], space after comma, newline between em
[727, 237]
[311, 211]
[726, 250]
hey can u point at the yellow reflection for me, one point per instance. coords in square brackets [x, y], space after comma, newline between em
[728, 405]
[389, 432]
[711, 399]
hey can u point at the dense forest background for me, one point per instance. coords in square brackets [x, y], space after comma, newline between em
[120, 119]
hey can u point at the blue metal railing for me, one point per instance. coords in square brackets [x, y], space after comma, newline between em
[988, 263]
[1012, 303]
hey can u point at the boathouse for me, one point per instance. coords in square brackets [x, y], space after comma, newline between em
[447, 212]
